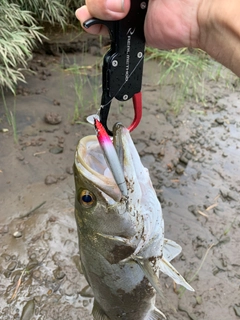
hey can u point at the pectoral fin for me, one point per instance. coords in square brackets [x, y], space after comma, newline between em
[169, 270]
[87, 292]
[117, 239]
[170, 249]
[156, 315]
[149, 273]
[98, 313]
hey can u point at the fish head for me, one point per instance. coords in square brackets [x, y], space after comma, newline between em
[100, 206]
[121, 238]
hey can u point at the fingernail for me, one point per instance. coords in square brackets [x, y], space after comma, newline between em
[115, 5]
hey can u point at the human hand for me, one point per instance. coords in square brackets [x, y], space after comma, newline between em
[169, 24]
[211, 25]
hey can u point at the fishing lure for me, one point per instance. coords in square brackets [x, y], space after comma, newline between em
[111, 156]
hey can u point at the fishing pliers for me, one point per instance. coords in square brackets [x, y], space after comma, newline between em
[123, 63]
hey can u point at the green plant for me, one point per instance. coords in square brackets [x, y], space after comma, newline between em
[7, 112]
[20, 25]
[182, 290]
[10, 115]
[13, 122]
[94, 81]
[183, 69]
[87, 83]
[80, 80]
[18, 31]
[53, 11]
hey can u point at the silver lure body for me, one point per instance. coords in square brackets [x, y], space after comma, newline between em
[121, 242]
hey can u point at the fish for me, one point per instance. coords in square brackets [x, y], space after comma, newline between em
[120, 230]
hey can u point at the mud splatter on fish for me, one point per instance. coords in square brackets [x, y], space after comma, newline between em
[121, 239]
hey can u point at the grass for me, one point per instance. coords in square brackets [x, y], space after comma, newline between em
[60, 12]
[80, 80]
[10, 115]
[86, 83]
[182, 290]
[185, 70]
[14, 122]
[18, 32]
[7, 112]
[227, 230]
[79, 84]
[94, 83]
[53, 11]
[21, 24]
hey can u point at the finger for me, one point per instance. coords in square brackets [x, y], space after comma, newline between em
[83, 15]
[108, 9]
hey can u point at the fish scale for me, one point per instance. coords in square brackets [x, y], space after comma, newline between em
[121, 239]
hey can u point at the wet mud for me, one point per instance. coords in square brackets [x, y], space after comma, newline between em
[194, 161]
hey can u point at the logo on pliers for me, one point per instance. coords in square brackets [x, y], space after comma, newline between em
[130, 32]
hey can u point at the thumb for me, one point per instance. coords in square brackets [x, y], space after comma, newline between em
[104, 9]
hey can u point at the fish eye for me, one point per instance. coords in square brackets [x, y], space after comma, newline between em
[87, 198]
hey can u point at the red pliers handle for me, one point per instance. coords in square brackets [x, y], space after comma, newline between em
[123, 63]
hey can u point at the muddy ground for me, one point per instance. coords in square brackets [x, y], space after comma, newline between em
[194, 161]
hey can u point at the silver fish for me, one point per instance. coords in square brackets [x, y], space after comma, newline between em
[121, 239]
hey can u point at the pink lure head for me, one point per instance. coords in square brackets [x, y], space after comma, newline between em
[102, 135]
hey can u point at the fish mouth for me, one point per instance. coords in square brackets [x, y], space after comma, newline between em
[91, 163]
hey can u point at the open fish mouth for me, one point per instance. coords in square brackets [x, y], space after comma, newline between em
[91, 163]
[126, 232]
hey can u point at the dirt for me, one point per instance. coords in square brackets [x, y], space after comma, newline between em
[194, 161]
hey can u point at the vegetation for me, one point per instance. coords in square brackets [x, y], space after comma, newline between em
[186, 70]
[20, 24]
[18, 31]
[54, 12]
[86, 76]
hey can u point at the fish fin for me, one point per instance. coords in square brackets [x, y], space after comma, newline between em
[156, 315]
[87, 292]
[170, 249]
[98, 313]
[114, 238]
[147, 269]
[169, 270]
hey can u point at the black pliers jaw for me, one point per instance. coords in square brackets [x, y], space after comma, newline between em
[123, 63]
